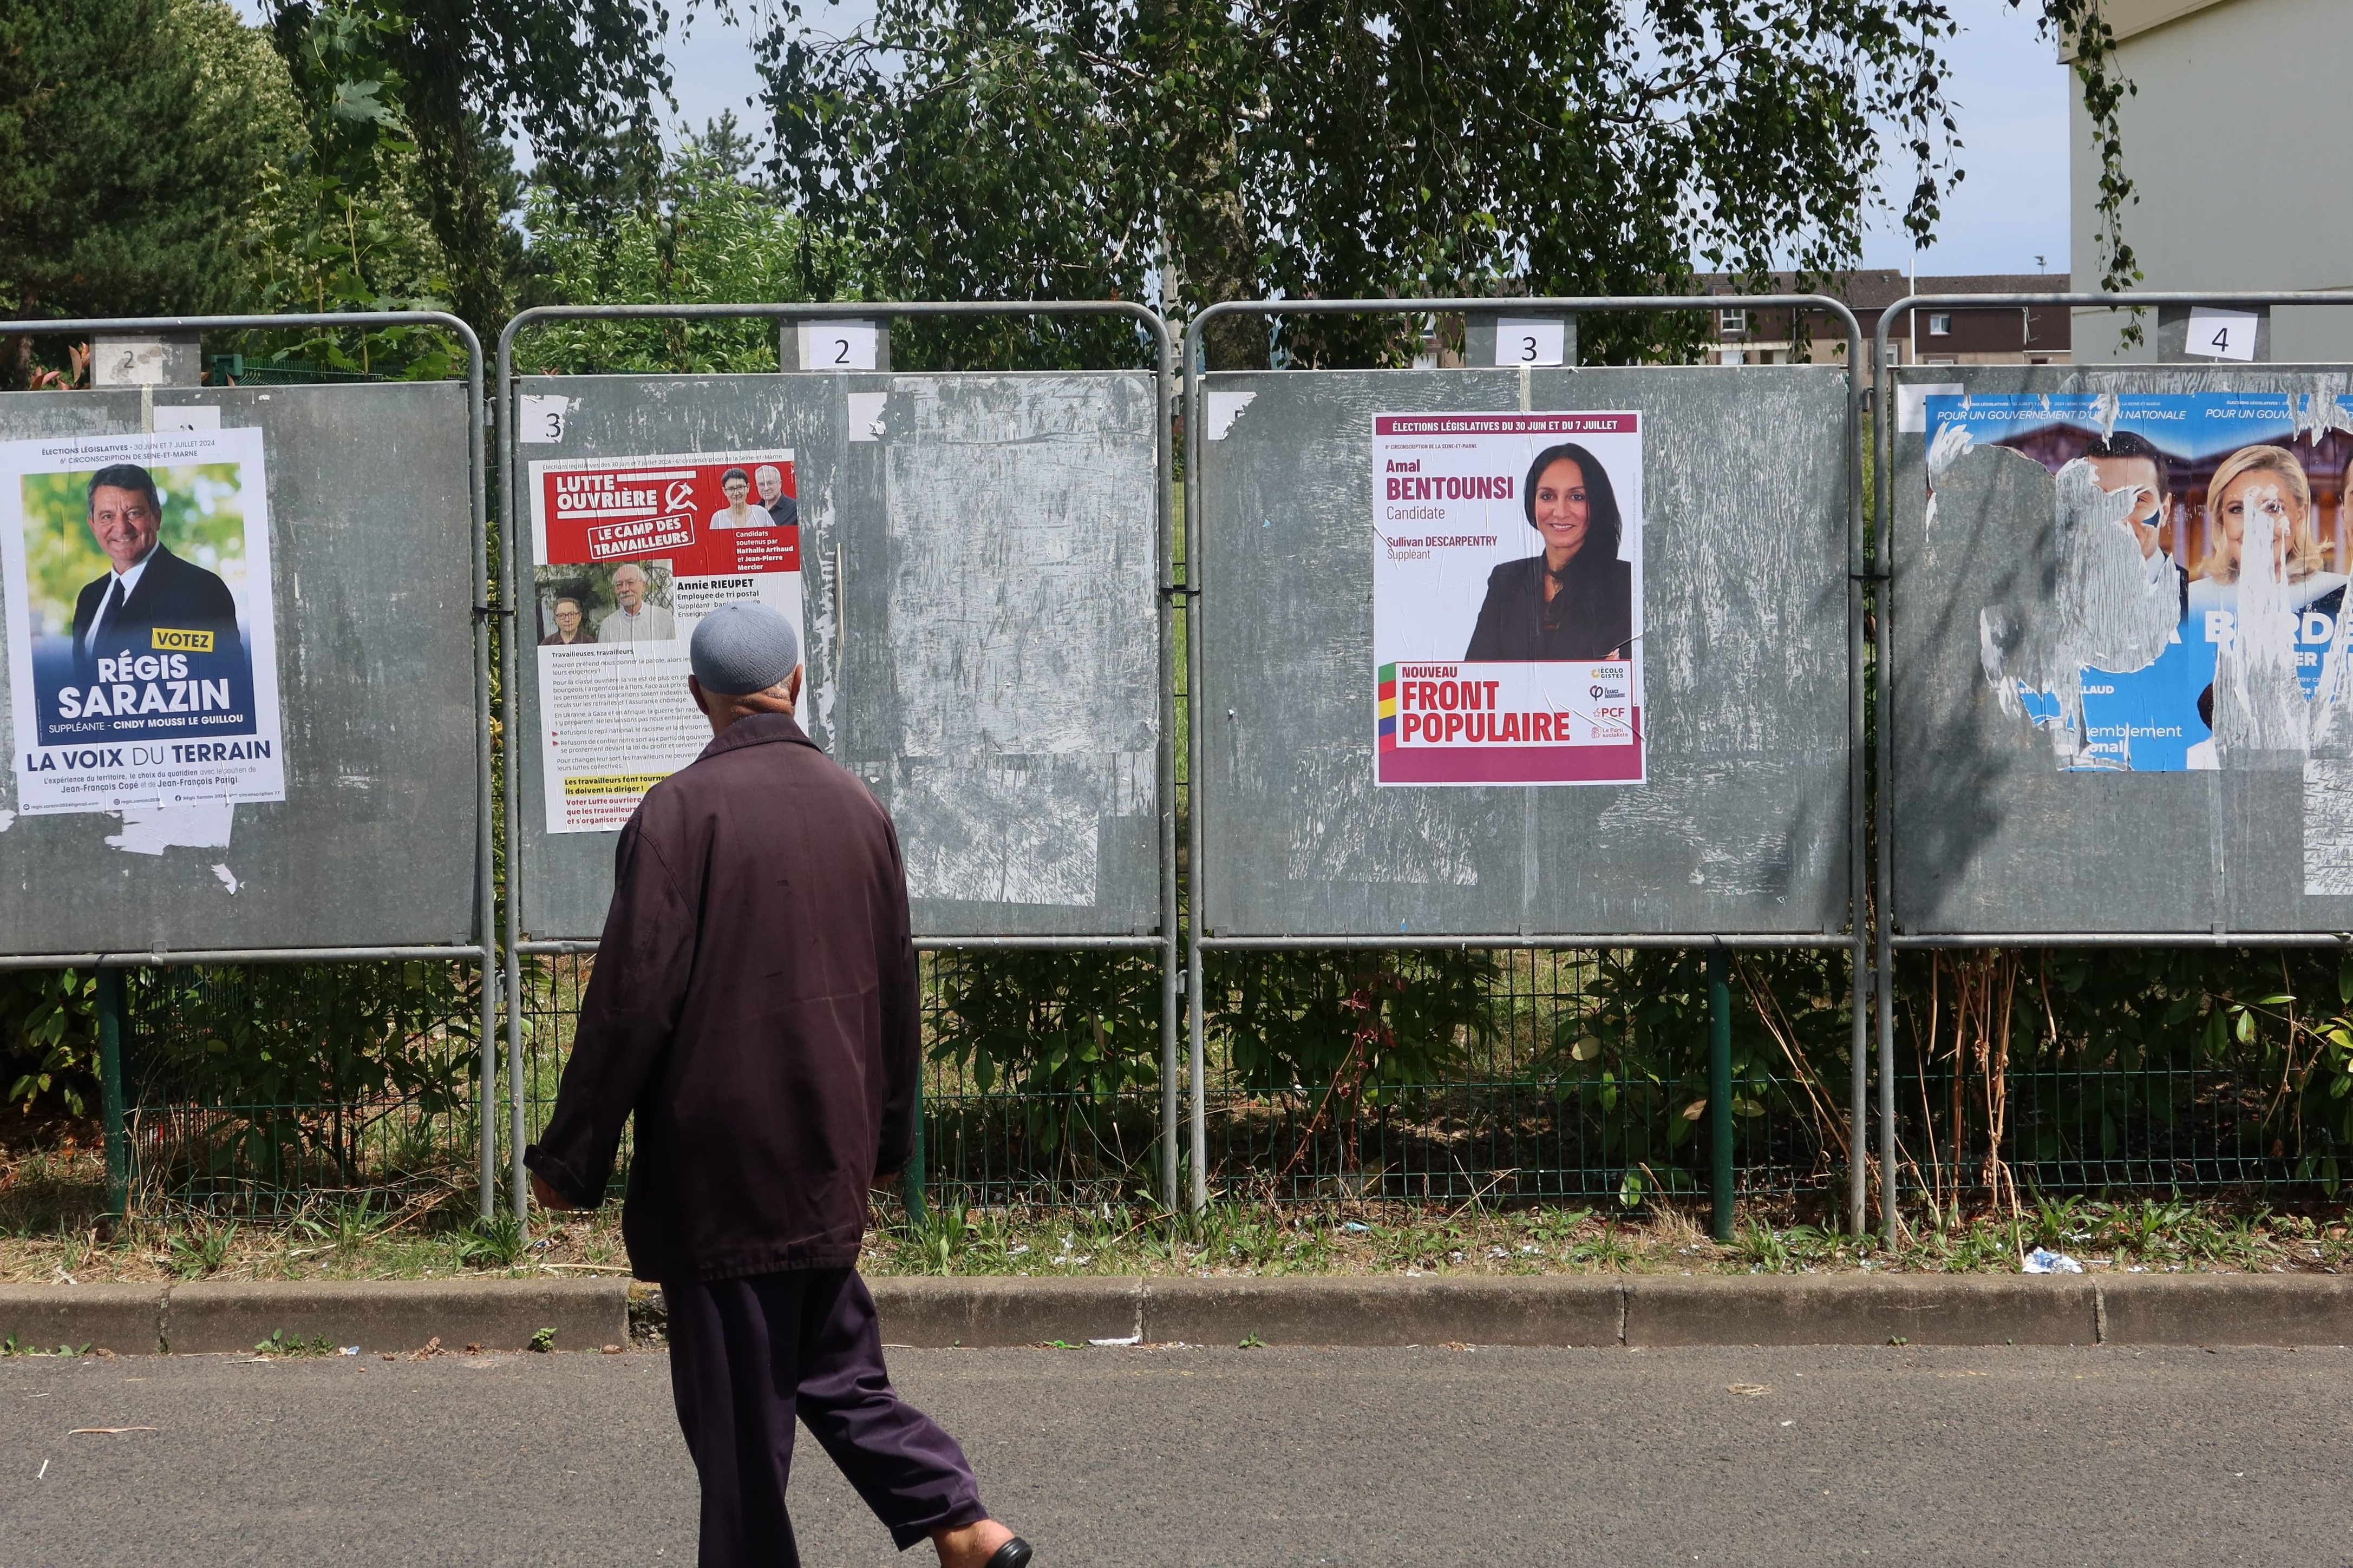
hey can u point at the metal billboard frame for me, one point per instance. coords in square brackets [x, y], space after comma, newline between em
[1165, 943]
[1885, 941]
[1857, 941]
[482, 949]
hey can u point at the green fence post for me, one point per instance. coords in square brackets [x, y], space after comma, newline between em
[916, 1214]
[1719, 1092]
[109, 1073]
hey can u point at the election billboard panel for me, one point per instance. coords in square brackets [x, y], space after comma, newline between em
[1334, 607]
[1507, 594]
[631, 554]
[275, 740]
[142, 624]
[973, 562]
[2117, 676]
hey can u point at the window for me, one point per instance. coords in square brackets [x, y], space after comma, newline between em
[1732, 321]
[1735, 356]
[1940, 325]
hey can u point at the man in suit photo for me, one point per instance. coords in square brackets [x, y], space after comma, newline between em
[148, 586]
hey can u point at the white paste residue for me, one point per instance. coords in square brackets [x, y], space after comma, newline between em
[2258, 702]
[866, 410]
[227, 879]
[2319, 413]
[8, 820]
[2094, 607]
[1953, 443]
[150, 830]
[2105, 408]
[2328, 826]
[1219, 418]
[998, 829]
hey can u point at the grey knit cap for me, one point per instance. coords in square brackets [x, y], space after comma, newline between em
[743, 648]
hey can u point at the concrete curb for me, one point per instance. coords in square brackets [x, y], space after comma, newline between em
[1635, 1310]
[376, 1315]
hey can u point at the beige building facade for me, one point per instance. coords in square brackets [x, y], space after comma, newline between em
[2244, 109]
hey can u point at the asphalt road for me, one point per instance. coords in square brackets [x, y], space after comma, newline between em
[1274, 1456]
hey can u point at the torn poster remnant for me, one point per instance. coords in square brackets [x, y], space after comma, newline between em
[152, 830]
[2222, 514]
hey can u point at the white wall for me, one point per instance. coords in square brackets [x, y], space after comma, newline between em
[2237, 141]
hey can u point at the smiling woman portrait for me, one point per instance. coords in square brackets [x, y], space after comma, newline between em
[1576, 600]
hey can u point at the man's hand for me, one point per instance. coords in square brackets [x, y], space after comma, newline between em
[545, 1196]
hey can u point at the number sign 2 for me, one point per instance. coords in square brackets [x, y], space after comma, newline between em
[838, 345]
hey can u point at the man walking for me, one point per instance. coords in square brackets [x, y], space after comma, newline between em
[753, 1005]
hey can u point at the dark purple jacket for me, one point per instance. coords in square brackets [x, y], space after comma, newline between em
[753, 1003]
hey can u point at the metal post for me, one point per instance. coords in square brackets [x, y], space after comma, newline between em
[1197, 866]
[110, 1012]
[486, 1101]
[918, 1214]
[1719, 1091]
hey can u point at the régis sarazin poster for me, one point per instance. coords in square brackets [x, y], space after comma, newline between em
[142, 629]
[1507, 598]
[632, 554]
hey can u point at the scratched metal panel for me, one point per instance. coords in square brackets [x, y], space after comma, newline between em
[1743, 825]
[1989, 835]
[371, 548]
[979, 592]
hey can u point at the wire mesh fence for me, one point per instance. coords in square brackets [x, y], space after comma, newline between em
[254, 1090]
[1506, 1077]
[1041, 1085]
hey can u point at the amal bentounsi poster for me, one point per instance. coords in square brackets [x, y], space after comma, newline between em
[142, 633]
[1507, 598]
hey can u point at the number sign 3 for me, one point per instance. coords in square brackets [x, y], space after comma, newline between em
[1530, 342]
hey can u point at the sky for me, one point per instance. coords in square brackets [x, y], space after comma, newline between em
[2009, 91]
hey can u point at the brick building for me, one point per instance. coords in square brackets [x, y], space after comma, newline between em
[2007, 334]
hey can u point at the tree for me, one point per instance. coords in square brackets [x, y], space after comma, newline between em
[1111, 148]
[133, 136]
[703, 235]
[578, 79]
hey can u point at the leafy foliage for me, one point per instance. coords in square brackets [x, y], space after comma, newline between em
[1071, 1033]
[48, 1032]
[577, 78]
[312, 1058]
[342, 224]
[1112, 150]
[705, 233]
[134, 134]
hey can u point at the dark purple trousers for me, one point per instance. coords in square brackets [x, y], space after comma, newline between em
[746, 1356]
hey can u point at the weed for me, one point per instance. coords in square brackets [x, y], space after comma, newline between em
[1251, 1342]
[281, 1343]
[2058, 1221]
[12, 1345]
[1757, 1247]
[497, 1242]
[203, 1248]
[543, 1341]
